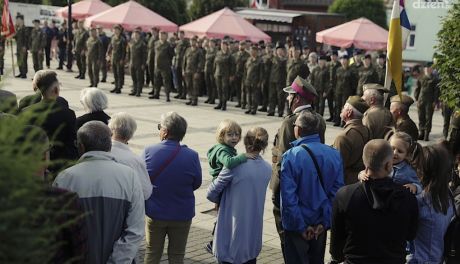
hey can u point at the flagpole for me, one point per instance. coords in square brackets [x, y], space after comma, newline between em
[12, 56]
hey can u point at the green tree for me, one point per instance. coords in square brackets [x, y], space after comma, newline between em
[448, 57]
[373, 10]
[200, 8]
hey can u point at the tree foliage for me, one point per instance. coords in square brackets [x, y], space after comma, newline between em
[200, 8]
[374, 10]
[448, 57]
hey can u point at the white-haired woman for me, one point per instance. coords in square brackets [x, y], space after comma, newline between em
[94, 101]
[123, 127]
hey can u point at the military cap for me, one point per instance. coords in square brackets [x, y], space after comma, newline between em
[406, 100]
[213, 40]
[334, 52]
[358, 103]
[382, 56]
[20, 16]
[344, 56]
[36, 21]
[323, 57]
[261, 42]
[357, 52]
[225, 41]
[368, 56]
[375, 86]
[428, 64]
[118, 26]
[301, 87]
[138, 30]
[279, 45]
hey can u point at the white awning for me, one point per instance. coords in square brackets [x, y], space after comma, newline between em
[268, 15]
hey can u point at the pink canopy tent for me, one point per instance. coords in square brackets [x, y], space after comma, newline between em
[131, 15]
[222, 23]
[361, 32]
[84, 9]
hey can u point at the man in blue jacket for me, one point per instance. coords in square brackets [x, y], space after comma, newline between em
[311, 174]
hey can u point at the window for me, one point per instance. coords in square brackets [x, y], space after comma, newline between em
[411, 40]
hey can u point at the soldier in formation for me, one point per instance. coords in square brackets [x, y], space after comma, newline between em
[240, 58]
[81, 36]
[278, 72]
[105, 46]
[163, 61]
[22, 45]
[319, 78]
[333, 65]
[193, 66]
[346, 81]
[37, 45]
[253, 70]
[367, 74]
[137, 55]
[210, 82]
[381, 68]
[223, 69]
[151, 56]
[181, 47]
[94, 54]
[265, 82]
[116, 53]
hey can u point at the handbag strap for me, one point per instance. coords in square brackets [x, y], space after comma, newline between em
[165, 164]
[320, 175]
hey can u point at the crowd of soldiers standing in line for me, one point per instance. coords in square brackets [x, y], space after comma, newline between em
[254, 74]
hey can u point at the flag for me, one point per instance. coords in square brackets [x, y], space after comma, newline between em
[397, 38]
[7, 21]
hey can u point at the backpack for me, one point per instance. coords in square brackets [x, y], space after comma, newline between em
[452, 237]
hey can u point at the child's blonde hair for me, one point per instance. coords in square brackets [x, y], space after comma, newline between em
[225, 126]
[404, 137]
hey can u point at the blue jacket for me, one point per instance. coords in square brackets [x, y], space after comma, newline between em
[403, 173]
[303, 201]
[172, 196]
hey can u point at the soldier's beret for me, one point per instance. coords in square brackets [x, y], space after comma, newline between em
[375, 86]
[382, 56]
[358, 103]
[406, 100]
[368, 56]
[357, 52]
[345, 56]
[334, 52]
[323, 57]
[428, 64]
[303, 88]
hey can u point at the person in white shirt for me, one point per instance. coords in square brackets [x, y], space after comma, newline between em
[123, 127]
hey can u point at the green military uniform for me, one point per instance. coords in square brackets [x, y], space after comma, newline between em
[2, 53]
[37, 47]
[240, 58]
[253, 70]
[294, 68]
[163, 61]
[118, 55]
[454, 132]
[94, 54]
[404, 123]
[276, 95]
[366, 75]
[137, 61]
[381, 73]
[379, 121]
[22, 45]
[345, 87]
[151, 58]
[319, 78]
[223, 69]
[331, 91]
[426, 94]
[350, 142]
[267, 65]
[209, 75]
[193, 66]
[281, 144]
[80, 47]
[180, 49]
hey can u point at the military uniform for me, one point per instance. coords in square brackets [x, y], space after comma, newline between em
[366, 75]
[209, 75]
[223, 69]
[253, 70]
[345, 87]
[294, 68]
[137, 61]
[163, 61]
[80, 46]
[331, 92]
[193, 66]
[276, 95]
[240, 58]
[180, 49]
[94, 54]
[151, 59]
[267, 64]
[319, 78]
[105, 45]
[379, 121]
[22, 45]
[454, 132]
[426, 94]
[37, 47]
[404, 123]
[381, 73]
[118, 55]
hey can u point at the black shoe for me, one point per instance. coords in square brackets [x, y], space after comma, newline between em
[211, 102]
[59, 68]
[82, 77]
[168, 100]
[194, 104]
[263, 109]
[243, 107]
[224, 108]
[91, 85]
[183, 97]
[330, 119]
[271, 114]
[238, 105]
[152, 92]
[253, 112]
[118, 91]
[103, 80]
[132, 93]
[155, 96]
[280, 114]
[112, 82]
[24, 76]
[206, 102]
[18, 76]
[78, 76]
[188, 103]
[247, 112]
[113, 90]
[219, 106]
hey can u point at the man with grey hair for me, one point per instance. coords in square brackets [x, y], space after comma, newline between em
[311, 174]
[350, 142]
[111, 195]
[123, 127]
[372, 220]
[377, 118]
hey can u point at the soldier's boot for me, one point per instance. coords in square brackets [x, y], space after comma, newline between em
[177, 96]
[82, 76]
[195, 102]
[263, 109]
[224, 106]
[219, 106]
[248, 112]
[426, 136]
[421, 135]
[167, 98]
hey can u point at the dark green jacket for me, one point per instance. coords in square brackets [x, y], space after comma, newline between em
[220, 156]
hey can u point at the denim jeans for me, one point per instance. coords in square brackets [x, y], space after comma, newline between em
[297, 250]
